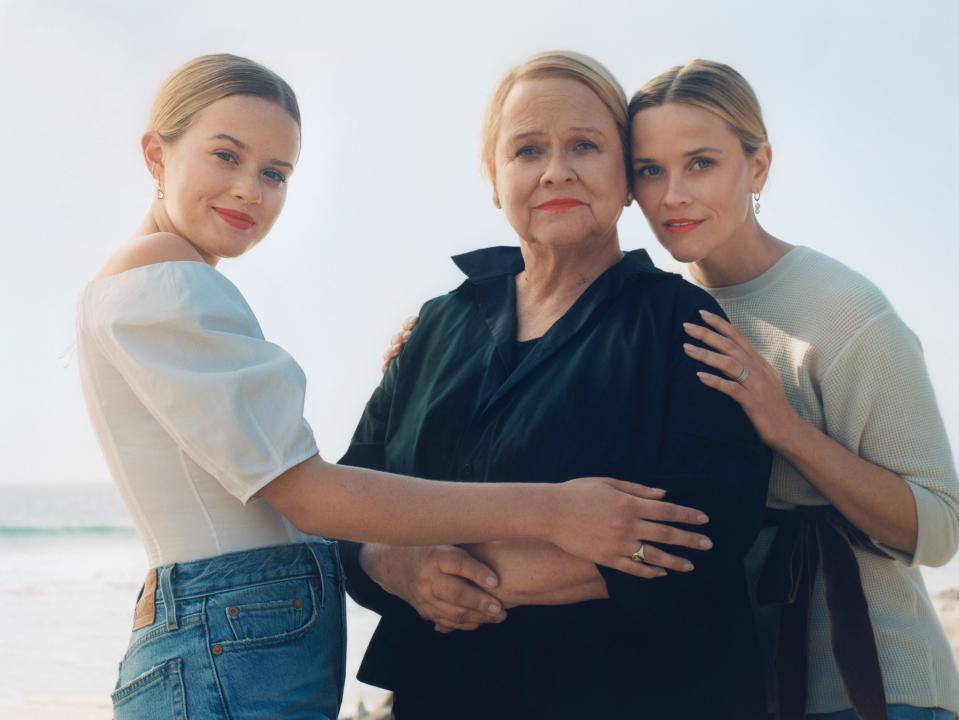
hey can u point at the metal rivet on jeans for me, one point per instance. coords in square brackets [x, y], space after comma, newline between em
[297, 603]
[217, 649]
[232, 612]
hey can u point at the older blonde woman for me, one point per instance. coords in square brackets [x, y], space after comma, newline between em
[565, 355]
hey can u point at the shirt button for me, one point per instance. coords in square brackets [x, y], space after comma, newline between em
[217, 649]
[467, 470]
[233, 612]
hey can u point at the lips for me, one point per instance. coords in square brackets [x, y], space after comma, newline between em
[559, 204]
[682, 225]
[235, 218]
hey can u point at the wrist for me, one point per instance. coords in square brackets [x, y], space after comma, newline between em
[794, 437]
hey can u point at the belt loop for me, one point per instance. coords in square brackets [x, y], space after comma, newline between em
[319, 568]
[166, 592]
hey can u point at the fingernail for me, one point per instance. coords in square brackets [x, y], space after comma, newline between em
[492, 609]
[687, 347]
[395, 347]
[706, 314]
[490, 581]
[688, 326]
[701, 375]
[702, 518]
[705, 543]
[662, 573]
[658, 490]
[687, 566]
[406, 335]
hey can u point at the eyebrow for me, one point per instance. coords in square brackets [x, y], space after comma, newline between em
[697, 151]
[243, 146]
[540, 133]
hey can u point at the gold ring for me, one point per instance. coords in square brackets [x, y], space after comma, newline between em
[640, 555]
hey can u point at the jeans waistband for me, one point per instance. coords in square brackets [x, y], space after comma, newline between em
[182, 581]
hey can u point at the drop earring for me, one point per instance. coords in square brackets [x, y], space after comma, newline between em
[756, 202]
[153, 172]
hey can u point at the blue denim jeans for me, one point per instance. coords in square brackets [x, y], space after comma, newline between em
[896, 712]
[253, 634]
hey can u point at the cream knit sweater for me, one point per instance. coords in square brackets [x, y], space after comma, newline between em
[853, 369]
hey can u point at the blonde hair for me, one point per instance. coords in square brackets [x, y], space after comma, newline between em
[562, 64]
[208, 78]
[711, 86]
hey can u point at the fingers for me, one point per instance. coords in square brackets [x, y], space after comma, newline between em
[459, 562]
[637, 490]
[670, 512]
[638, 569]
[730, 387]
[669, 535]
[410, 322]
[732, 368]
[464, 598]
[713, 339]
[655, 556]
[725, 327]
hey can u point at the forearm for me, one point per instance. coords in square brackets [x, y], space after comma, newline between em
[363, 505]
[539, 573]
[874, 499]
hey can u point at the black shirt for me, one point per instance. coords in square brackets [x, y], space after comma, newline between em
[607, 391]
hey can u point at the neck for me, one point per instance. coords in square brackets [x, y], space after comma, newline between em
[156, 221]
[555, 277]
[746, 255]
[560, 271]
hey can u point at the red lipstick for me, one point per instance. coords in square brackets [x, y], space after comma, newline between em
[559, 204]
[682, 225]
[235, 218]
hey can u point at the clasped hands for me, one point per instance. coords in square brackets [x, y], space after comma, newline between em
[461, 588]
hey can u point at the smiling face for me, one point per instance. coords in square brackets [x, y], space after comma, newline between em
[224, 179]
[559, 170]
[693, 180]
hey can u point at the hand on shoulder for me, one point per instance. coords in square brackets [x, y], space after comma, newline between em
[148, 250]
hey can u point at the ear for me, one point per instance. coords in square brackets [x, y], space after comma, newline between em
[761, 161]
[491, 174]
[152, 146]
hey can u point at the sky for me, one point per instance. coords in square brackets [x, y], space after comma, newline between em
[859, 98]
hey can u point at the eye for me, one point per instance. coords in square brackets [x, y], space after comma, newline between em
[275, 176]
[649, 171]
[586, 145]
[227, 156]
[702, 163]
[527, 151]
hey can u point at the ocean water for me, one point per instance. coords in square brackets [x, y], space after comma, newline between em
[70, 569]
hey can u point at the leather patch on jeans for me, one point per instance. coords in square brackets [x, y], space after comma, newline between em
[146, 611]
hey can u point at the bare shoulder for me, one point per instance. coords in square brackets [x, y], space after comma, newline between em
[150, 250]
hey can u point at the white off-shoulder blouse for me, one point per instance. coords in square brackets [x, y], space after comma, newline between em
[194, 409]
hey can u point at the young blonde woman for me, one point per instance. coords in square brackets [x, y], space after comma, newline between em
[863, 489]
[201, 421]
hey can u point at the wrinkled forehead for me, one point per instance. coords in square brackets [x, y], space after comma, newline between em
[548, 104]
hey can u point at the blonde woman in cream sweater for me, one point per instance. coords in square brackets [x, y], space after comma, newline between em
[863, 488]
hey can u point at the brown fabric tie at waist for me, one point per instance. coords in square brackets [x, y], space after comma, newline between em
[807, 538]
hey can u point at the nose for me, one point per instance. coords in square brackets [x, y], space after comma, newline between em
[677, 191]
[246, 188]
[558, 169]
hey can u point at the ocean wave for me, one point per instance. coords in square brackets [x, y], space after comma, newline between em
[34, 530]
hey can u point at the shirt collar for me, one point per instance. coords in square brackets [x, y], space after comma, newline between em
[488, 263]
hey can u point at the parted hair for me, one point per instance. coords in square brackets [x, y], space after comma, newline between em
[555, 63]
[711, 86]
[208, 78]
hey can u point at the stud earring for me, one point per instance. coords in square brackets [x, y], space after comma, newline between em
[629, 199]
[756, 202]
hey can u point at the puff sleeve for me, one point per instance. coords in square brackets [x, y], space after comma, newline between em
[191, 350]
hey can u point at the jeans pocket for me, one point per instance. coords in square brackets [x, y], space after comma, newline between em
[270, 613]
[155, 695]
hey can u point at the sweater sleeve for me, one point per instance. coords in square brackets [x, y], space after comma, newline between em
[879, 403]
